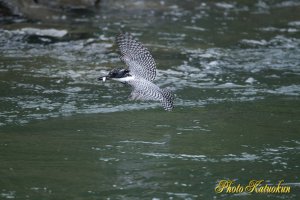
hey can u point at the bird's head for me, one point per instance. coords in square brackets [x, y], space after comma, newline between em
[115, 74]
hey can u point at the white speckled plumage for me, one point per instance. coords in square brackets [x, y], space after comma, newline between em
[138, 59]
[141, 72]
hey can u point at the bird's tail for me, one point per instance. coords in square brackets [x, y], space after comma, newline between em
[167, 100]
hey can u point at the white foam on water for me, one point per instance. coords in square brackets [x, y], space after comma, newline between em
[225, 5]
[177, 156]
[291, 90]
[255, 42]
[243, 157]
[142, 142]
[294, 23]
[250, 80]
[8, 194]
[44, 32]
[182, 195]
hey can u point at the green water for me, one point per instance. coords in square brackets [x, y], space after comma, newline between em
[234, 67]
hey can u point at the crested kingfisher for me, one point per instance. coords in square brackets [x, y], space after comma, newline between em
[140, 73]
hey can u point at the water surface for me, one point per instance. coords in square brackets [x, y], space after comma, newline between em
[234, 67]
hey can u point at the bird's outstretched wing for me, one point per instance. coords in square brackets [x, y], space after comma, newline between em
[146, 90]
[138, 59]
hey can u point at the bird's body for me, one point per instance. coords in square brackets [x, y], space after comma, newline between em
[140, 73]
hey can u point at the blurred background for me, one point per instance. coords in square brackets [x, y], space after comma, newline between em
[234, 67]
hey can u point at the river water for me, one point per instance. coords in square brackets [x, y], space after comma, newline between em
[233, 65]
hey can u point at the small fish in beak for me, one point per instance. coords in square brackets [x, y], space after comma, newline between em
[103, 78]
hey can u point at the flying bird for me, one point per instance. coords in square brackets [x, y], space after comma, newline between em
[140, 73]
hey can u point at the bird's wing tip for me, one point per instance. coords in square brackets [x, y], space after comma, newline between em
[168, 99]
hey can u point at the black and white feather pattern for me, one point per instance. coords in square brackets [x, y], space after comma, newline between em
[146, 90]
[138, 59]
[143, 68]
